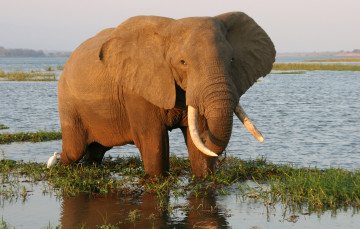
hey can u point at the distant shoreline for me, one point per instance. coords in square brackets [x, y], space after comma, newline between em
[61, 55]
[30, 53]
[24, 53]
[316, 54]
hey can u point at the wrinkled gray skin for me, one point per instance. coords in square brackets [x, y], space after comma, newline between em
[133, 83]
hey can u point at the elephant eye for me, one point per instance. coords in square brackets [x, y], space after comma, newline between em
[183, 62]
[232, 59]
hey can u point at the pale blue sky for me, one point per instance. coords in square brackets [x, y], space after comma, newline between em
[294, 26]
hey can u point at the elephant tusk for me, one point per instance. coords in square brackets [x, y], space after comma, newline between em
[194, 133]
[240, 113]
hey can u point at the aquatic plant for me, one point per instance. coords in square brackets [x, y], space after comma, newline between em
[3, 224]
[288, 72]
[60, 67]
[318, 188]
[286, 184]
[2, 127]
[336, 60]
[32, 75]
[49, 69]
[313, 67]
[38, 136]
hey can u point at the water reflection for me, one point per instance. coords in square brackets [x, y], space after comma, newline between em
[150, 210]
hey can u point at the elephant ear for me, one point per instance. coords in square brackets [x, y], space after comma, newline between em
[134, 55]
[254, 52]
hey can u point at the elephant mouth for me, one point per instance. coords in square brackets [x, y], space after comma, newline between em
[195, 136]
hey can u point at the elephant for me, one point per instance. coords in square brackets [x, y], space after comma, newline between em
[134, 83]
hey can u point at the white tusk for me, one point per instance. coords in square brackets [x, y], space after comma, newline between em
[194, 133]
[240, 113]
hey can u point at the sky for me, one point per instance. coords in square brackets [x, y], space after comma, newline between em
[293, 25]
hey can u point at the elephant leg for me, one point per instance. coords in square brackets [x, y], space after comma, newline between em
[149, 134]
[94, 153]
[73, 144]
[154, 149]
[201, 164]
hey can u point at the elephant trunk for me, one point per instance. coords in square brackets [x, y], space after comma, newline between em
[218, 108]
[219, 111]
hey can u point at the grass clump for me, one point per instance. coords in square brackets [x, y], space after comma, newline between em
[19, 75]
[3, 127]
[318, 188]
[49, 69]
[38, 136]
[289, 72]
[336, 60]
[313, 67]
[60, 67]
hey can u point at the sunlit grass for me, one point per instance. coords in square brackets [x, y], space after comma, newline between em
[285, 184]
[38, 136]
[318, 188]
[32, 75]
[312, 67]
[289, 72]
[2, 127]
[336, 60]
[60, 67]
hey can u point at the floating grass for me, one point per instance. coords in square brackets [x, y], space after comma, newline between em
[60, 67]
[38, 136]
[289, 72]
[336, 60]
[49, 69]
[3, 127]
[32, 75]
[313, 67]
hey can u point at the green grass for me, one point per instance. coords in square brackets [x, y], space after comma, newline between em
[285, 184]
[313, 67]
[336, 60]
[2, 127]
[38, 136]
[60, 67]
[318, 188]
[289, 72]
[32, 75]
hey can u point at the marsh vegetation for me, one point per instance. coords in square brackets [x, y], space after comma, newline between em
[2, 127]
[32, 75]
[285, 185]
[314, 67]
[336, 60]
[37, 136]
[45, 74]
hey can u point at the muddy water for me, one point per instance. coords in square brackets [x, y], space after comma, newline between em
[307, 119]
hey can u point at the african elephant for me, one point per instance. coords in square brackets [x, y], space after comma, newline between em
[133, 83]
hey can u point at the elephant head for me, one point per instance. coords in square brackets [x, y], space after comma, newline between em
[215, 60]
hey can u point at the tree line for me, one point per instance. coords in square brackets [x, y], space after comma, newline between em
[30, 53]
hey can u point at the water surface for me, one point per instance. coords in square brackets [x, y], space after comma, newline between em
[307, 119]
[310, 119]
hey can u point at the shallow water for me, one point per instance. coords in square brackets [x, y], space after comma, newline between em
[26, 64]
[307, 119]
[212, 211]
